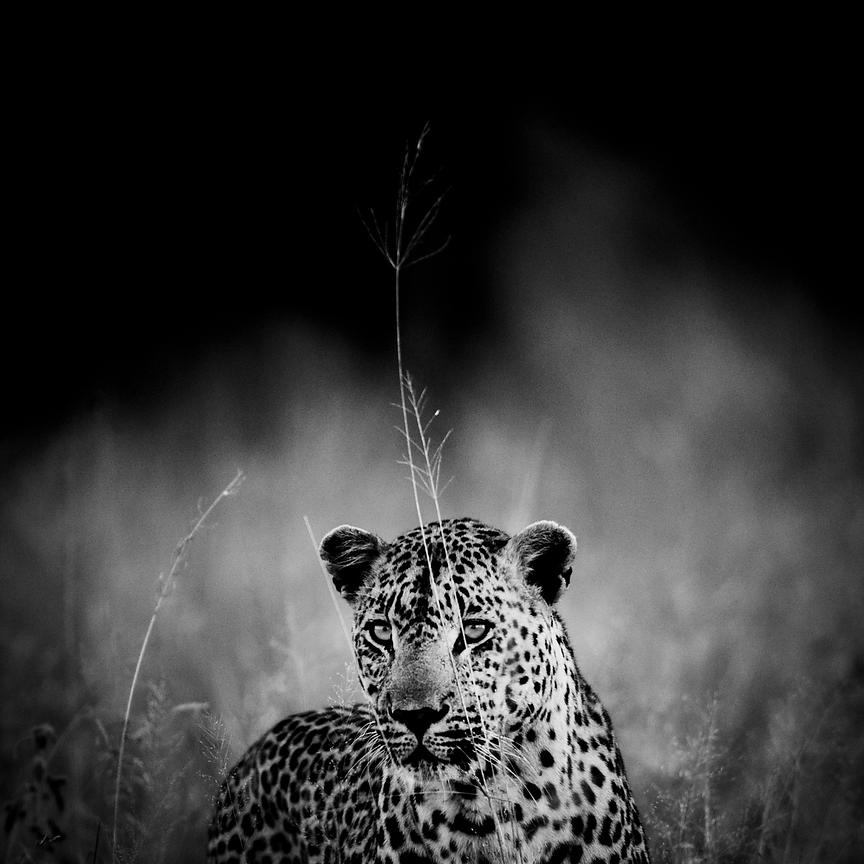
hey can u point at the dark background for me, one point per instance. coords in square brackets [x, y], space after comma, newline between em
[165, 201]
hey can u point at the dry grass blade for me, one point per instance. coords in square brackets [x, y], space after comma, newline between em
[347, 633]
[166, 583]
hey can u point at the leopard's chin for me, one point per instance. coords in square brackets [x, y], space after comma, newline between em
[455, 756]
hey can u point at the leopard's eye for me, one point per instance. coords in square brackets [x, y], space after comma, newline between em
[380, 631]
[475, 630]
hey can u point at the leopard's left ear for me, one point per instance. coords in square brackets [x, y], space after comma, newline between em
[543, 555]
[349, 554]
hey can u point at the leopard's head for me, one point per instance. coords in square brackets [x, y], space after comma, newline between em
[455, 635]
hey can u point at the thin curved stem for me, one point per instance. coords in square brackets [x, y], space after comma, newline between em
[166, 583]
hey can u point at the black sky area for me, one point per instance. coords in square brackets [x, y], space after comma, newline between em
[161, 211]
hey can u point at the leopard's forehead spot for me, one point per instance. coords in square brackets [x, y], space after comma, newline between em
[463, 538]
[463, 555]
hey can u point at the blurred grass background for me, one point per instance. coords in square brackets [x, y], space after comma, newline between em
[695, 423]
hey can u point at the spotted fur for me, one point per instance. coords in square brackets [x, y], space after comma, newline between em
[480, 740]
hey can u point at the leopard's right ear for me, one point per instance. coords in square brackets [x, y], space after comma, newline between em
[348, 554]
[543, 554]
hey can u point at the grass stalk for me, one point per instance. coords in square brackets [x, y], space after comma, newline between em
[166, 584]
[346, 632]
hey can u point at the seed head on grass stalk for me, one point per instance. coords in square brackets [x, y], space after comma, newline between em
[424, 459]
[166, 585]
[406, 243]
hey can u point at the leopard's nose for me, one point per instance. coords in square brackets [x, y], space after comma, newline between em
[419, 720]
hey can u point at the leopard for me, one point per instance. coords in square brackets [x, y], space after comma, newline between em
[477, 739]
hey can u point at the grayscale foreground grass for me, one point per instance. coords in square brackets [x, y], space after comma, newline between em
[790, 795]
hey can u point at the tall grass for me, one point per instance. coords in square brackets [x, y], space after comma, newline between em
[792, 798]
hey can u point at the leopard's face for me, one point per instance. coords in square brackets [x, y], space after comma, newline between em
[454, 634]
